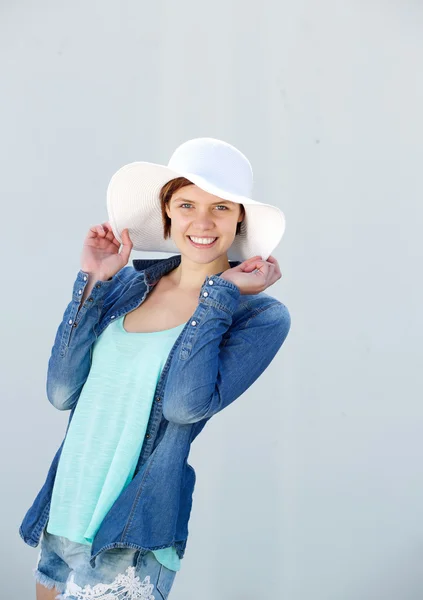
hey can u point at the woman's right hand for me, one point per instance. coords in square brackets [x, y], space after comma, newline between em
[100, 252]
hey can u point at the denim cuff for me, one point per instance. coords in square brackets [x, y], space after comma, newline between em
[220, 293]
[97, 292]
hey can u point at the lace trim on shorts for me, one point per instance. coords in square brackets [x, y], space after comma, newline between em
[124, 587]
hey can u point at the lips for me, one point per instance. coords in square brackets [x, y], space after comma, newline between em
[202, 245]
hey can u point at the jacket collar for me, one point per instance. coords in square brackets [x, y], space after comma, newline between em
[155, 268]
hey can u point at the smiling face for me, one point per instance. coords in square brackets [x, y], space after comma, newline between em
[203, 226]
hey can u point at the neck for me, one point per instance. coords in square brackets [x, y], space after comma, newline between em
[189, 276]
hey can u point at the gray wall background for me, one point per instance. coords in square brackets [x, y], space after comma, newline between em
[310, 485]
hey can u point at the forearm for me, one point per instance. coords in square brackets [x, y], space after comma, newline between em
[70, 359]
[196, 363]
[223, 358]
[91, 281]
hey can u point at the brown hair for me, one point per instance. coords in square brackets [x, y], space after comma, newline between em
[166, 194]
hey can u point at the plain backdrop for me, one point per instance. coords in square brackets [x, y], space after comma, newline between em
[310, 485]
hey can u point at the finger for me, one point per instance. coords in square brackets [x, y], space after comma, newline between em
[126, 245]
[243, 266]
[253, 267]
[109, 234]
[108, 230]
[250, 267]
[127, 237]
[250, 263]
[111, 237]
[92, 232]
[253, 258]
[273, 261]
[265, 270]
[274, 274]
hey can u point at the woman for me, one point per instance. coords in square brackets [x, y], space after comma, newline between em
[143, 357]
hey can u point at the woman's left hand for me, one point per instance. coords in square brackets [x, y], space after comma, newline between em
[254, 275]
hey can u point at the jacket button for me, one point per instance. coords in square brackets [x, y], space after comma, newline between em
[148, 435]
[90, 299]
[158, 399]
[98, 285]
[74, 324]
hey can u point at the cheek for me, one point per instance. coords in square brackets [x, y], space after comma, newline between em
[229, 226]
[179, 222]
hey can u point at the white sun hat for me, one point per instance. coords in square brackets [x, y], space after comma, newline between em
[133, 199]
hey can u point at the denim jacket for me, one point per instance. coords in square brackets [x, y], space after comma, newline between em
[223, 348]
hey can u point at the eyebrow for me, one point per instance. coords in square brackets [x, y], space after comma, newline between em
[193, 201]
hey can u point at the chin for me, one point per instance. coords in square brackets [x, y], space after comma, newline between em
[201, 260]
[198, 255]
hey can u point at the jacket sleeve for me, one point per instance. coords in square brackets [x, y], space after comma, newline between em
[215, 362]
[70, 359]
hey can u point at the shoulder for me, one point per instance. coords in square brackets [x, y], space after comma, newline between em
[121, 281]
[126, 274]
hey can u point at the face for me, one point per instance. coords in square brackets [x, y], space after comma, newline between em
[203, 225]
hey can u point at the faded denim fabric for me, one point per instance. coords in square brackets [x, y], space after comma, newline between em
[224, 347]
[118, 573]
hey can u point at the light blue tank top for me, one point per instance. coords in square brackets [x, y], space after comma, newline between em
[107, 431]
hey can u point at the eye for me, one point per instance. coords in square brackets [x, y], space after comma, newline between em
[218, 206]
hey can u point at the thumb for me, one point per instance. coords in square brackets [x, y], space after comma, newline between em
[250, 263]
[126, 245]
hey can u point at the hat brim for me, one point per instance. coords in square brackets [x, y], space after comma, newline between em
[133, 202]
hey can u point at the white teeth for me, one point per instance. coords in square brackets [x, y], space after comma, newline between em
[202, 240]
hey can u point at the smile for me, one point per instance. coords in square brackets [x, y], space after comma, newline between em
[202, 242]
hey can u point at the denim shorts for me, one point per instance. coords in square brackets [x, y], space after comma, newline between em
[122, 573]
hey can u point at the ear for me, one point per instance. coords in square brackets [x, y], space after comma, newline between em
[166, 204]
[241, 214]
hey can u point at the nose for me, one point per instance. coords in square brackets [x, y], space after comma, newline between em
[203, 222]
